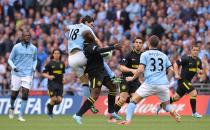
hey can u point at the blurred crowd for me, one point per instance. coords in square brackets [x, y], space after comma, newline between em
[178, 23]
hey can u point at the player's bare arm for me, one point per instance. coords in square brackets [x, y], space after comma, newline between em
[176, 71]
[136, 73]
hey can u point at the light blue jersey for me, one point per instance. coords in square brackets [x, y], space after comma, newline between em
[156, 63]
[74, 36]
[24, 59]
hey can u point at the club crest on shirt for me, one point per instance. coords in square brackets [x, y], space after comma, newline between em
[61, 66]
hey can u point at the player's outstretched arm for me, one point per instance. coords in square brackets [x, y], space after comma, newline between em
[136, 73]
[170, 72]
[176, 71]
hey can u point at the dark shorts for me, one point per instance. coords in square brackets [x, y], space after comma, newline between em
[96, 79]
[55, 89]
[129, 87]
[99, 78]
[184, 86]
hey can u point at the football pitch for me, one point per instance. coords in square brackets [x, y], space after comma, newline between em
[98, 122]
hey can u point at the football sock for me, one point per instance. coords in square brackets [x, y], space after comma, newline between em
[193, 104]
[12, 102]
[109, 71]
[118, 106]
[50, 108]
[130, 110]
[168, 108]
[111, 102]
[87, 104]
[171, 100]
[23, 107]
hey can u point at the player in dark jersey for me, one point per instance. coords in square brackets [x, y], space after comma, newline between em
[97, 76]
[54, 71]
[128, 65]
[190, 66]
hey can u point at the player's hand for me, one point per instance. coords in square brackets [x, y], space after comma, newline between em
[177, 76]
[133, 71]
[128, 79]
[51, 77]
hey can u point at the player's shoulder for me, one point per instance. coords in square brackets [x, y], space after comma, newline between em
[186, 57]
[18, 44]
[33, 46]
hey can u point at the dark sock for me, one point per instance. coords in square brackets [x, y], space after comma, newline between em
[193, 104]
[111, 103]
[87, 104]
[117, 106]
[50, 108]
[171, 100]
[12, 102]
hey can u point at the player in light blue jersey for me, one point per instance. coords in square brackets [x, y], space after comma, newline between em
[77, 59]
[154, 65]
[23, 61]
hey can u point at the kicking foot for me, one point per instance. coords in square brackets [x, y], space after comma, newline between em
[77, 119]
[176, 116]
[93, 109]
[20, 118]
[11, 113]
[111, 119]
[196, 115]
[116, 116]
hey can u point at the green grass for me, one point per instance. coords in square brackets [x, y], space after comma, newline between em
[98, 122]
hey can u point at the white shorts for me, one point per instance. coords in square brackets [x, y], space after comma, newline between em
[77, 62]
[162, 91]
[18, 82]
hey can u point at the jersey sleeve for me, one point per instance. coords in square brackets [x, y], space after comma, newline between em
[47, 68]
[182, 61]
[90, 48]
[143, 58]
[125, 60]
[63, 68]
[11, 57]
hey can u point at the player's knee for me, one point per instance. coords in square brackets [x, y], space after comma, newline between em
[176, 97]
[96, 95]
[58, 101]
[123, 99]
[193, 93]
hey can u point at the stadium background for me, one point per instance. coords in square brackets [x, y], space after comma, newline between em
[179, 24]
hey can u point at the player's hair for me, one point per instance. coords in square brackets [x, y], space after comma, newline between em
[137, 38]
[153, 41]
[51, 57]
[88, 36]
[196, 45]
[87, 18]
